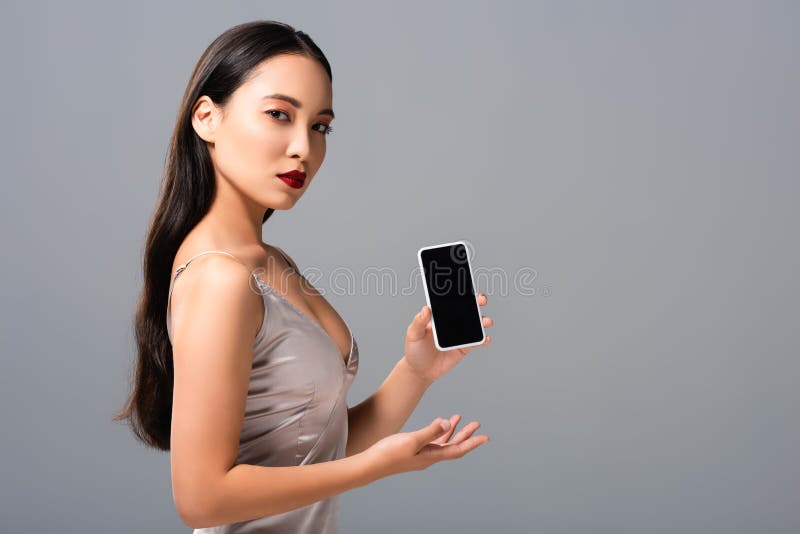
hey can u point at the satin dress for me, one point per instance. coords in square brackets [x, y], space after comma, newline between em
[296, 409]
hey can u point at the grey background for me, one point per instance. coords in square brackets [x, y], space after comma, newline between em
[640, 156]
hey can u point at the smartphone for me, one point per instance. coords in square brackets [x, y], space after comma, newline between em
[450, 293]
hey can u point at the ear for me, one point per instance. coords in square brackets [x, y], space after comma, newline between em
[205, 118]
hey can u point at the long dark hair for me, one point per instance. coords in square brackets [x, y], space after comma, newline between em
[185, 197]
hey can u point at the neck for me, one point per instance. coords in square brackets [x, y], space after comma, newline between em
[233, 220]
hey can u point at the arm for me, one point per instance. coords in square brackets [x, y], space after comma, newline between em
[385, 411]
[215, 316]
[249, 491]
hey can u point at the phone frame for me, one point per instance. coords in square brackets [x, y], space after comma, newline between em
[428, 300]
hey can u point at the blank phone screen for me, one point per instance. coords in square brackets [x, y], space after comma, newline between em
[451, 293]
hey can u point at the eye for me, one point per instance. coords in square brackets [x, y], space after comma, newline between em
[272, 113]
[276, 113]
[326, 128]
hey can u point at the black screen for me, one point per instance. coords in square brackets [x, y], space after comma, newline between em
[456, 317]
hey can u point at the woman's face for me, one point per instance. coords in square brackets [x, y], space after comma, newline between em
[273, 123]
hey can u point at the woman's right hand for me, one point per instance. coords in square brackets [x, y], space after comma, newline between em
[415, 451]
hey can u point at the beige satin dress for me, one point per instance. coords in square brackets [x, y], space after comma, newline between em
[296, 410]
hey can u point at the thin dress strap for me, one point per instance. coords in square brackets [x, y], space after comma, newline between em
[183, 266]
[180, 269]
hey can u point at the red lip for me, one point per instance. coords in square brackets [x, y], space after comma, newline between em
[295, 175]
[294, 179]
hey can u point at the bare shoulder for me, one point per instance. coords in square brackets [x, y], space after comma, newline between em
[218, 290]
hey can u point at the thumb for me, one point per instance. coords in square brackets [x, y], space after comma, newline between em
[431, 432]
[416, 330]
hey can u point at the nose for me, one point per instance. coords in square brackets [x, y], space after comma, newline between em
[300, 143]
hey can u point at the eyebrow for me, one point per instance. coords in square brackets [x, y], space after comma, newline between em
[296, 103]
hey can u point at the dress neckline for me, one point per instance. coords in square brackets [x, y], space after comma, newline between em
[308, 319]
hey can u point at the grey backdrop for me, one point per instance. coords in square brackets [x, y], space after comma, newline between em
[640, 156]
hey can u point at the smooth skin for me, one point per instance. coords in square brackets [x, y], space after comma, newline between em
[216, 314]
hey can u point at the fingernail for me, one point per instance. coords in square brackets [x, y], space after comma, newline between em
[445, 425]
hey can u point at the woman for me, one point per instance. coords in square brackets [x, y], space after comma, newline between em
[243, 367]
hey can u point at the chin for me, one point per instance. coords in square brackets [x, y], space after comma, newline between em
[286, 202]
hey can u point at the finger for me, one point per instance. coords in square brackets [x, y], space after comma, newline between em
[487, 321]
[451, 452]
[465, 432]
[454, 419]
[482, 299]
[462, 434]
[416, 330]
[457, 450]
[425, 435]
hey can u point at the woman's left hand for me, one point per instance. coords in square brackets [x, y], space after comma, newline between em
[421, 353]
